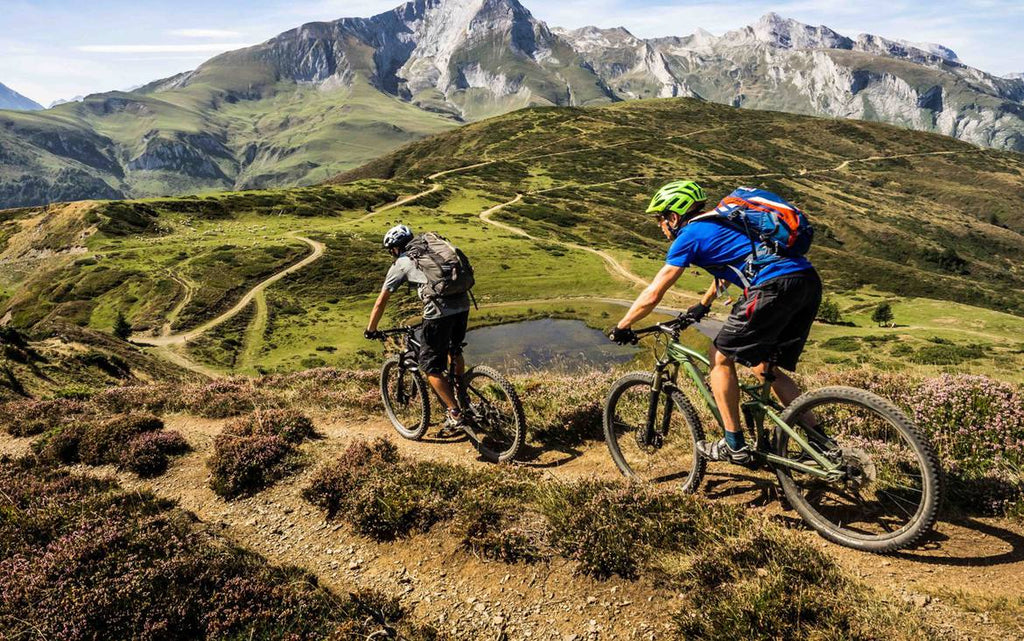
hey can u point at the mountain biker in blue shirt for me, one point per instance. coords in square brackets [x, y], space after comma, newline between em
[767, 327]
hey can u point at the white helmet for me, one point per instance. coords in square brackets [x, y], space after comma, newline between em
[397, 236]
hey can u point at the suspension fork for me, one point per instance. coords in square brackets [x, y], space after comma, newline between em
[657, 389]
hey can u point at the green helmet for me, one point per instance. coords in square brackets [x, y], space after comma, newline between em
[680, 196]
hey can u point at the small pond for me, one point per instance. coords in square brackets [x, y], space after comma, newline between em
[544, 344]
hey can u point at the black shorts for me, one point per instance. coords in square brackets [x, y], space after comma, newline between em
[440, 337]
[772, 320]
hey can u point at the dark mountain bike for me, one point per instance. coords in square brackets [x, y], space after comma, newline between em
[493, 415]
[863, 476]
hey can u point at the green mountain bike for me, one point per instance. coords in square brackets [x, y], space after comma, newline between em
[494, 419]
[864, 476]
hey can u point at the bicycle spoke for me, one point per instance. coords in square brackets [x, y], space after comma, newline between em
[647, 451]
[882, 489]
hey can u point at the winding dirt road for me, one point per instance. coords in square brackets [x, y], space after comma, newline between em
[184, 337]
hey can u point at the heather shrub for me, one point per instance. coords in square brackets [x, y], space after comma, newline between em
[565, 408]
[329, 487]
[975, 422]
[765, 583]
[376, 492]
[31, 417]
[60, 444]
[151, 398]
[244, 465]
[104, 442]
[615, 529]
[148, 454]
[384, 496]
[291, 425]
[82, 559]
[219, 399]
[496, 527]
[327, 388]
[257, 449]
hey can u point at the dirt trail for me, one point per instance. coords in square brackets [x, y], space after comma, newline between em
[979, 557]
[189, 288]
[977, 561]
[398, 203]
[183, 337]
[614, 266]
[254, 334]
[443, 585]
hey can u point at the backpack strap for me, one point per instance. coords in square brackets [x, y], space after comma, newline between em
[749, 269]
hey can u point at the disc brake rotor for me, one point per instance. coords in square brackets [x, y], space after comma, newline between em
[858, 467]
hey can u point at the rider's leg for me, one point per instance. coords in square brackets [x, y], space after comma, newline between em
[440, 384]
[782, 384]
[787, 390]
[435, 337]
[725, 386]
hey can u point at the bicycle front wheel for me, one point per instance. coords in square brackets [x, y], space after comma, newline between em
[497, 425]
[889, 492]
[405, 399]
[656, 444]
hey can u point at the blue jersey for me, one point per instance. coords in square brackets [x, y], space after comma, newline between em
[723, 252]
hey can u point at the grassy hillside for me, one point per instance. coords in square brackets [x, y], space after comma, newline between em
[922, 222]
[911, 213]
[225, 131]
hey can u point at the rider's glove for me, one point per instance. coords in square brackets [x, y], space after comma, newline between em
[373, 335]
[622, 336]
[697, 312]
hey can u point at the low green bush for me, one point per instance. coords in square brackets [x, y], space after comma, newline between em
[946, 354]
[842, 344]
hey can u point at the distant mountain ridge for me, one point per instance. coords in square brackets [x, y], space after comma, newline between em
[326, 97]
[11, 99]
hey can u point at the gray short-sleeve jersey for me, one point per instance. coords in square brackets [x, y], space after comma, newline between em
[404, 270]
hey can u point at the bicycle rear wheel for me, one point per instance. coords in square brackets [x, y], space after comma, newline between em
[890, 492]
[665, 452]
[405, 397]
[497, 425]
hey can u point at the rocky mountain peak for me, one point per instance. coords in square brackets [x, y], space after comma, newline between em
[591, 38]
[774, 30]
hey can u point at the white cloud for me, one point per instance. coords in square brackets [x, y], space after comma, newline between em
[193, 48]
[204, 33]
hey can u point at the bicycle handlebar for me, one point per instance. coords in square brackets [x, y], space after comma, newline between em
[394, 331]
[678, 324]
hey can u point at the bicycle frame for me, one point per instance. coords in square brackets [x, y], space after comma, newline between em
[758, 406]
[408, 362]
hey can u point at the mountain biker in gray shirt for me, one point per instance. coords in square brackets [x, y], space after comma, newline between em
[443, 329]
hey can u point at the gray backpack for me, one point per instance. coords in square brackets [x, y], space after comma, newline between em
[447, 269]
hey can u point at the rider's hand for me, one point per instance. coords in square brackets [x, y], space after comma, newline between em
[622, 335]
[697, 312]
[373, 335]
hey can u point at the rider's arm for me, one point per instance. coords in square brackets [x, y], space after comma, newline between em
[649, 299]
[378, 309]
[710, 296]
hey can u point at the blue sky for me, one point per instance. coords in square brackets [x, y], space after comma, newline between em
[52, 49]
